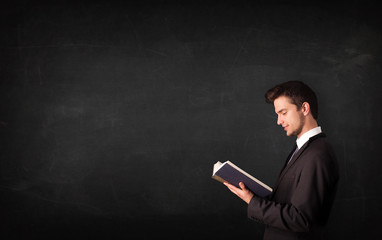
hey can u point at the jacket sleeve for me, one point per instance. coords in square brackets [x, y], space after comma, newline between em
[309, 203]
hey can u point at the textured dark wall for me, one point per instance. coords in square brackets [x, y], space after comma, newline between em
[112, 114]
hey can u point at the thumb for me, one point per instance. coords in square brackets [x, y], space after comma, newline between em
[242, 186]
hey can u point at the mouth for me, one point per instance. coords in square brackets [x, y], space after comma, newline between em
[286, 128]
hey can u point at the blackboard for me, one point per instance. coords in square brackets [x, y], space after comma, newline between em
[113, 113]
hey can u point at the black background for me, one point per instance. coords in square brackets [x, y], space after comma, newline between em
[113, 113]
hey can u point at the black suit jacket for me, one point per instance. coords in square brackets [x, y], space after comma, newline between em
[302, 196]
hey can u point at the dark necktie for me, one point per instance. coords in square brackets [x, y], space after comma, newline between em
[295, 151]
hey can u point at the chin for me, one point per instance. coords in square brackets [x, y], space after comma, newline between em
[291, 134]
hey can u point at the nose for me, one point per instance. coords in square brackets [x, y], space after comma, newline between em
[279, 120]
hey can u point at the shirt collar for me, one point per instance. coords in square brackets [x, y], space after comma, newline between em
[306, 136]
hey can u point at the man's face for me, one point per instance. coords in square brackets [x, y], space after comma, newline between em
[289, 117]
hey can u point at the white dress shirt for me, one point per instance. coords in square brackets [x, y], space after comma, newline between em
[305, 137]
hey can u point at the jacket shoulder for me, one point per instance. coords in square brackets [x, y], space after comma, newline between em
[319, 151]
[320, 145]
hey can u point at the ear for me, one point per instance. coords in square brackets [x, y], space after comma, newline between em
[305, 108]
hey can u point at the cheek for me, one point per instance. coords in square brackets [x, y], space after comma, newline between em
[291, 120]
[297, 121]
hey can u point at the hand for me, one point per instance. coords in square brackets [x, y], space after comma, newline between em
[242, 192]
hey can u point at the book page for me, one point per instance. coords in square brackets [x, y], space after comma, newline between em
[216, 167]
[250, 176]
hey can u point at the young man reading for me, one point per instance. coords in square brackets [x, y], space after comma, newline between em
[304, 192]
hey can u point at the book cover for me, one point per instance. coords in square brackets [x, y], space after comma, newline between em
[229, 172]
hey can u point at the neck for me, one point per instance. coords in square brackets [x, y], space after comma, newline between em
[309, 125]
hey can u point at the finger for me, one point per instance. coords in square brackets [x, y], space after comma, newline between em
[229, 185]
[232, 188]
[242, 186]
[233, 191]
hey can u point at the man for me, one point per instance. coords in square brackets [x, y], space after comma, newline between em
[299, 205]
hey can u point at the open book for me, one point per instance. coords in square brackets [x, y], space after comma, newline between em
[229, 172]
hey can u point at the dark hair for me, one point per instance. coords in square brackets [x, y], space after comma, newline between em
[298, 92]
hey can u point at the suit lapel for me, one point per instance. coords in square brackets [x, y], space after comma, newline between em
[287, 160]
[295, 158]
[292, 161]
